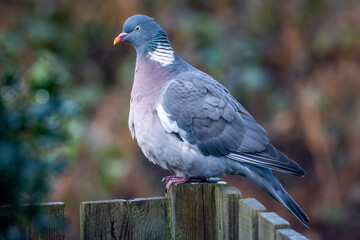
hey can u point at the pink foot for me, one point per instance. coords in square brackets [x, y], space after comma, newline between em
[174, 179]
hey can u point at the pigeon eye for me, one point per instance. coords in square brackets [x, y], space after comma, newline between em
[137, 28]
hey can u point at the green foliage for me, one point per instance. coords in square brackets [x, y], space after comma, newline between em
[35, 110]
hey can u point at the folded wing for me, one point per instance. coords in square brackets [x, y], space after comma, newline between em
[201, 111]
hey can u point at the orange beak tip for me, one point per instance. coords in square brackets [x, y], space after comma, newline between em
[116, 40]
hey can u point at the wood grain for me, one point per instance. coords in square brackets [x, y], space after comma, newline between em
[120, 219]
[227, 204]
[193, 211]
[249, 210]
[269, 222]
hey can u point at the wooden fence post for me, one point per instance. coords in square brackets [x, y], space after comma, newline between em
[48, 221]
[120, 219]
[249, 211]
[227, 204]
[269, 222]
[193, 211]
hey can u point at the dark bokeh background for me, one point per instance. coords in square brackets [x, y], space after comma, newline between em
[64, 98]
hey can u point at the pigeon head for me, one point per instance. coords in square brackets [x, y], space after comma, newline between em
[148, 38]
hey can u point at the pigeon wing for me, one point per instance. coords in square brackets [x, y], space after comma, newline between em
[199, 110]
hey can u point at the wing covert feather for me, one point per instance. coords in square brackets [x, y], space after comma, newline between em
[210, 117]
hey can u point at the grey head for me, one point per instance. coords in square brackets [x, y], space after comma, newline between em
[143, 33]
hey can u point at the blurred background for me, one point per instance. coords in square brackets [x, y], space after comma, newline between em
[65, 89]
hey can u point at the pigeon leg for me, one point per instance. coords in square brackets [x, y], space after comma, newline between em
[179, 180]
[174, 179]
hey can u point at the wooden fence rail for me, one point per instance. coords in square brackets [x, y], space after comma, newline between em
[190, 211]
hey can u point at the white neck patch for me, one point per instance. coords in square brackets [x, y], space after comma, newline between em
[163, 54]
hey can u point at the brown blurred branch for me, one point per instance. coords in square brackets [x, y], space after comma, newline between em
[316, 141]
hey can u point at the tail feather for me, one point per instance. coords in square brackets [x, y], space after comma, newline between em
[265, 179]
[269, 158]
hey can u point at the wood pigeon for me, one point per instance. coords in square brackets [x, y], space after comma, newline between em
[188, 123]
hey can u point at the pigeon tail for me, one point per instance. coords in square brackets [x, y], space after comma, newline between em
[266, 180]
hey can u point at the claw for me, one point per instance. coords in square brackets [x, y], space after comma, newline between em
[174, 179]
[166, 178]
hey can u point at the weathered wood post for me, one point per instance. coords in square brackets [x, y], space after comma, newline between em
[120, 219]
[193, 211]
[48, 221]
[249, 211]
[269, 223]
[204, 211]
[227, 199]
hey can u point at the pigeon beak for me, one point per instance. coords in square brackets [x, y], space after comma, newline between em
[120, 38]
